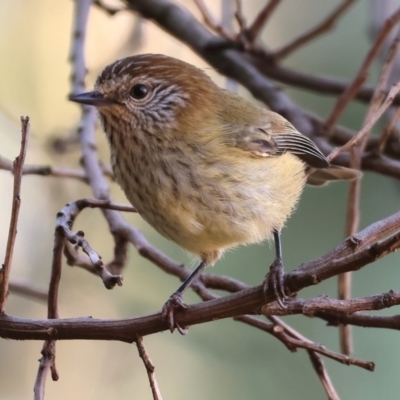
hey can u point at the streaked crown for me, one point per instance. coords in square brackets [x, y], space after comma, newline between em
[153, 89]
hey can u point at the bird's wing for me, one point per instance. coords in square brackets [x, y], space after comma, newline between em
[302, 147]
[268, 141]
[255, 140]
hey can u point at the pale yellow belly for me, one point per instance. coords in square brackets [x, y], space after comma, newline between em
[244, 207]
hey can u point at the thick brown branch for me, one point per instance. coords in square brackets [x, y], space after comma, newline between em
[233, 305]
[324, 304]
[243, 302]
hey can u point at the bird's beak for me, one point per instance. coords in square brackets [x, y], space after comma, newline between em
[94, 98]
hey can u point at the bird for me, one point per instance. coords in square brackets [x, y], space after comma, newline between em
[206, 168]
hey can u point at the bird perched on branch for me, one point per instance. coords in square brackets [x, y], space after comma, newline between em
[203, 166]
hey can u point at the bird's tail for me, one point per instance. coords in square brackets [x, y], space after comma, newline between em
[319, 177]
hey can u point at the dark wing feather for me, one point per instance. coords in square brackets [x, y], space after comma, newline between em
[262, 142]
[255, 140]
[302, 147]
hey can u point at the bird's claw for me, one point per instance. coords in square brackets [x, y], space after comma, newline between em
[274, 281]
[175, 302]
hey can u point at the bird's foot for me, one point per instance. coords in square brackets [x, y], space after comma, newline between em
[274, 281]
[174, 303]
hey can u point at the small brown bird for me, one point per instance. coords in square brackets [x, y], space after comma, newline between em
[206, 168]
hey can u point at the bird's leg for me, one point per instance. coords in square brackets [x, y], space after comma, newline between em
[176, 301]
[274, 279]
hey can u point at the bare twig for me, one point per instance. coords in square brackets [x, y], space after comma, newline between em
[352, 254]
[65, 220]
[316, 360]
[45, 365]
[48, 170]
[324, 304]
[322, 373]
[210, 21]
[44, 170]
[149, 369]
[25, 289]
[47, 361]
[362, 73]
[234, 305]
[226, 20]
[318, 30]
[253, 31]
[353, 205]
[12, 232]
[293, 342]
[367, 127]
[49, 347]
[381, 145]
[385, 74]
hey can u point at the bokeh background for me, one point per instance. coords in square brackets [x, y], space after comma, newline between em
[220, 360]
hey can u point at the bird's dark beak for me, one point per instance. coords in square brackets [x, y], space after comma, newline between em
[94, 98]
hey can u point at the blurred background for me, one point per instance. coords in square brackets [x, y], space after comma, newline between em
[220, 360]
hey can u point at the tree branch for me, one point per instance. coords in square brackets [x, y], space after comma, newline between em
[318, 30]
[12, 232]
[149, 369]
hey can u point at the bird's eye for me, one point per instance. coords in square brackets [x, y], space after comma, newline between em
[139, 91]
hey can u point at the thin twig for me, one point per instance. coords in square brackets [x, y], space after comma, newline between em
[82, 8]
[323, 376]
[47, 362]
[384, 78]
[292, 342]
[149, 369]
[48, 170]
[316, 360]
[253, 31]
[318, 30]
[226, 20]
[349, 93]
[94, 263]
[45, 365]
[16, 203]
[210, 21]
[387, 131]
[367, 127]
[353, 204]
[27, 290]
